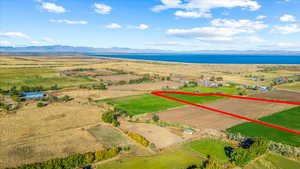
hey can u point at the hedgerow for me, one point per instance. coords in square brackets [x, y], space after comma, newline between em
[138, 138]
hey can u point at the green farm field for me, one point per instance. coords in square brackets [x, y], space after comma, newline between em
[172, 160]
[212, 147]
[289, 119]
[148, 103]
[45, 77]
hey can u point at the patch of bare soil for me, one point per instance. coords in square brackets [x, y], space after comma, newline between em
[202, 118]
[147, 86]
[160, 136]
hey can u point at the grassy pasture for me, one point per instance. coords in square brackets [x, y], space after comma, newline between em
[147, 103]
[212, 147]
[45, 77]
[289, 118]
[175, 160]
[273, 161]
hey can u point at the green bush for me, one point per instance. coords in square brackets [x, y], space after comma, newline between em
[89, 157]
[40, 104]
[109, 116]
[155, 118]
[211, 164]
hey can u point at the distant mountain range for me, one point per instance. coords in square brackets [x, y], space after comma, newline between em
[60, 49]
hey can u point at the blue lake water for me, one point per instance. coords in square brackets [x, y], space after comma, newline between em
[212, 58]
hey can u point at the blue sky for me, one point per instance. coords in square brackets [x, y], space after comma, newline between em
[157, 24]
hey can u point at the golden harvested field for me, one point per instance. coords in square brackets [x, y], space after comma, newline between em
[149, 86]
[117, 78]
[48, 146]
[160, 136]
[82, 95]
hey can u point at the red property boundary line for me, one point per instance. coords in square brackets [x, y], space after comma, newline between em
[159, 93]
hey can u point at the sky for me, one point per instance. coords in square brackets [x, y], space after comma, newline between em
[153, 24]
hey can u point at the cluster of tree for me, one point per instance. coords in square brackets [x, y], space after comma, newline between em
[23, 89]
[190, 84]
[138, 138]
[274, 68]
[145, 78]
[111, 117]
[80, 70]
[74, 161]
[53, 99]
[210, 163]
[248, 150]
[213, 78]
[284, 149]
[99, 86]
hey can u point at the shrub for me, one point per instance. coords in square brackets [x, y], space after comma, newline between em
[211, 164]
[89, 157]
[40, 104]
[155, 118]
[116, 123]
[66, 98]
[106, 154]
[138, 138]
[109, 117]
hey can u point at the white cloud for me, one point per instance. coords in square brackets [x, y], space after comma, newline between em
[192, 14]
[5, 43]
[287, 29]
[223, 31]
[287, 18]
[260, 17]
[113, 26]
[238, 39]
[52, 7]
[249, 25]
[14, 35]
[140, 27]
[221, 27]
[102, 8]
[202, 8]
[204, 32]
[67, 21]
